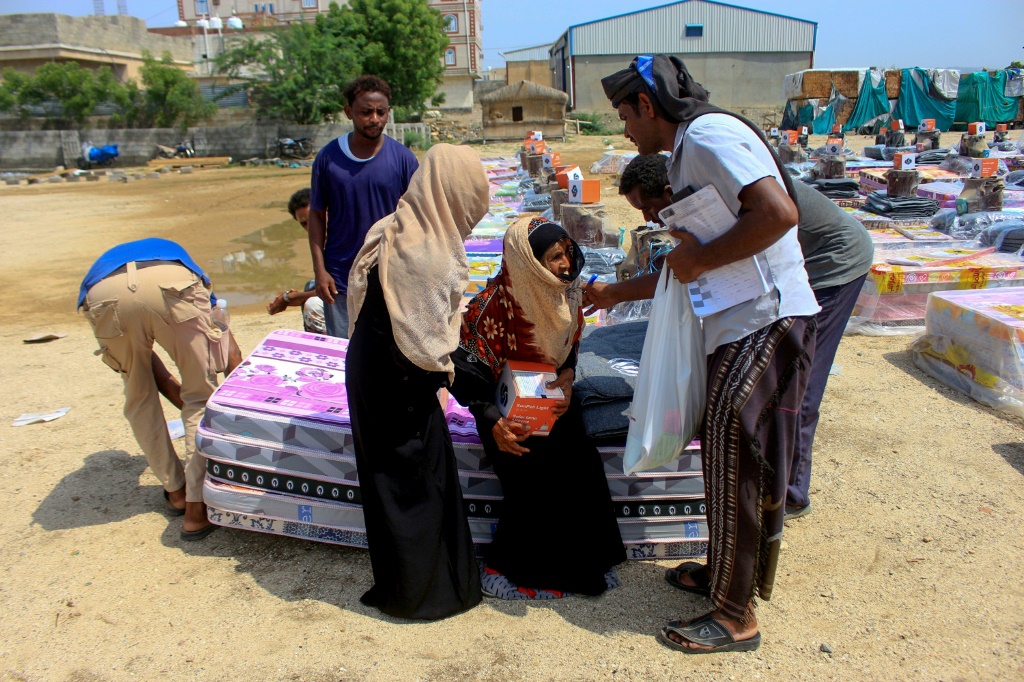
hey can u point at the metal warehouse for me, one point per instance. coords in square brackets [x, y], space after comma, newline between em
[740, 55]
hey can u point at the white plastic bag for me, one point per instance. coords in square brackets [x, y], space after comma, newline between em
[668, 403]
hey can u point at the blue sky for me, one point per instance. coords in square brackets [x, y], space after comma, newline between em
[850, 34]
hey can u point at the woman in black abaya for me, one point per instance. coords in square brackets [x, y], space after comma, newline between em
[404, 293]
[531, 312]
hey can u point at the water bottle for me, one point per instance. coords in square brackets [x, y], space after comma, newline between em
[221, 319]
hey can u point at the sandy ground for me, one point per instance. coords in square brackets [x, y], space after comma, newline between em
[909, 567]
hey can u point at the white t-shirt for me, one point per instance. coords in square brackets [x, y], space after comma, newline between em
[347, 151]
[720, 150]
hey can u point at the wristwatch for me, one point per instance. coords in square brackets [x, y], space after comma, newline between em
[284, 295]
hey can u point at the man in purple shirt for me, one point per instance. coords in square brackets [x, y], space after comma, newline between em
[357, 180]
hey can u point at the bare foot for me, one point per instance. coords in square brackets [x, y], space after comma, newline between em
[739, 631]
[195, 517]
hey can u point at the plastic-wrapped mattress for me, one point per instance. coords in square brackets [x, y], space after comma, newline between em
[651, 533]
[894, 296]
[280, 459]
[974, 342]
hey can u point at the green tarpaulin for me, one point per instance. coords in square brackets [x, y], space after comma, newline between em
[916, 103]
[980, 98]
[871, 101]
[826, 118]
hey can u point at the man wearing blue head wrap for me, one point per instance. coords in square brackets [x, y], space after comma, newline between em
[759, 351]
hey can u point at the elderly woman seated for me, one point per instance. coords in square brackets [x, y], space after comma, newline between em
[531, 312]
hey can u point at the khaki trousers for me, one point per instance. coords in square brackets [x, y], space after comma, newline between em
[166, 303]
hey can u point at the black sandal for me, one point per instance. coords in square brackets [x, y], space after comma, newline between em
[705, 631]
[698, 574]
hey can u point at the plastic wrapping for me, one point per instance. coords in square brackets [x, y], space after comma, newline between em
[894, 297]
[585, 223]
[612, 162]
[603, 259]
[830, 167]
[1014, 179]
[533, 202]
[974, 342]
[1006, 236]
[801, 171]
[980, 194]
[629, 311]
[961, 165]
[969, 225]
[889, 152]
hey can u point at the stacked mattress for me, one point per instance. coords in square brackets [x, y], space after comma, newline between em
[280, 460]
[974, 342]
[896, 294]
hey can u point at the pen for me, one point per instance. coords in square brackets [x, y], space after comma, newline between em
[593, 278]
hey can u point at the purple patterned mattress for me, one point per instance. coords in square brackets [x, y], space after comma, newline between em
[280, 459]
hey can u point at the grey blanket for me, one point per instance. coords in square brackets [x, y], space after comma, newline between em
[606, 374]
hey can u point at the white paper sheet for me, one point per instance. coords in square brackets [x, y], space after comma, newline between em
[705, 215]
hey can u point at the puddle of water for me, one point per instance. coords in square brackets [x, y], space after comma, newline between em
[257, 266]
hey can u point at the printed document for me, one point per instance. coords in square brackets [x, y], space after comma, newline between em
[705, 215]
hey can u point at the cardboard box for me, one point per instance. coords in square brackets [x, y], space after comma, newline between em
[897, 124]
[976, 128]
[904, 161]
[983, 168]
[584, 191]
[552, 160]
[789, 136]
[834, 146]
[535, 135]
[534, 147]
[837, 128]
[522, 395]
[563, 177]
[803, 130]
[1001, 128]
[773, 133]
[927, 124]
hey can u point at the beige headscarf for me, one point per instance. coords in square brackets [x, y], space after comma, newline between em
[421, 258]
[525, 312]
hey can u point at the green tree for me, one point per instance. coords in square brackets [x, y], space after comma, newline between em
[11, 88]
[297, 73]
[76, 91]
[402, 41]
[1016, 64]
[168, 98]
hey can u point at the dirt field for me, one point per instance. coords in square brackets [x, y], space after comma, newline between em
[908, 568]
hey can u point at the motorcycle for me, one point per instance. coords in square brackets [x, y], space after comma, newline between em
[301, 148]
[182, 151]
[100, 156]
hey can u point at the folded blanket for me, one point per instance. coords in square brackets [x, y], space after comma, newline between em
[837, 188]
[901, 208]
[606, 374]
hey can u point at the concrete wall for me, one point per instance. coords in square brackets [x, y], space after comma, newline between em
[458, 93]
[115, 33]
[41, 149]
[736, 81]
[29, 40]
[481, 88]
[536, 71]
